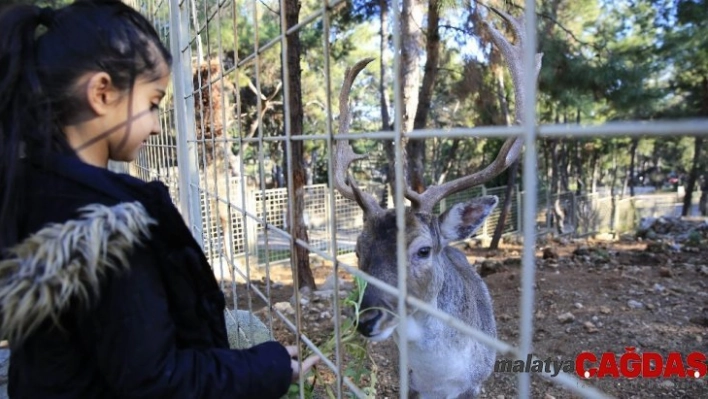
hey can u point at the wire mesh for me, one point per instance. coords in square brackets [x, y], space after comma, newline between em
[225, 94]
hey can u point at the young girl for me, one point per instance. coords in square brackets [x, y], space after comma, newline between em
[104, 293]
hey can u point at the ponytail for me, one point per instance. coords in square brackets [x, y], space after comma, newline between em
[20, 119]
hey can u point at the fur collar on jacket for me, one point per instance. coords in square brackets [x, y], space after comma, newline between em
[63, 264]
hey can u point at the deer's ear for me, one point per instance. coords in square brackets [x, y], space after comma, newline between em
[463, 219]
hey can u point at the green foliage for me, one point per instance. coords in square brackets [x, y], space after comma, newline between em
[359, 367]
[38, 3]
[685, 45]
[602, 61]
[695, 239]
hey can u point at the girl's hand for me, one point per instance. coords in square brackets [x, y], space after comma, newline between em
[295, 365]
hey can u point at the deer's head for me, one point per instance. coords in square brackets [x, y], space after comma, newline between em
[426, 235]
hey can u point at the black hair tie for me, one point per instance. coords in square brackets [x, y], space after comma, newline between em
[46, 16]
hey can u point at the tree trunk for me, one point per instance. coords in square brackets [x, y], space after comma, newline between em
[501, 96]
[703, 201]
[564, 166]
[416, 148]
[383, 45]
[511, 181]
[613, 192]
[593, 165]
[698, 144]
[692, 176]
[615, 167]
[383, 98]
[578, 160]
[558, 213]
[548, 155]
[632, 167]
[300, 260]
[411, 21]
[449, 157]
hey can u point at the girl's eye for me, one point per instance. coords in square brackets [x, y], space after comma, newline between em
[424, 252]
[154, 107]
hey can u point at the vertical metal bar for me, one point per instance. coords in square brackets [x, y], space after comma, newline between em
[218, 239]
[245, 203]
[184, 119]
[204, 88]
[399, 201]
[195, 20]
[228, 235]
[530, 185]
[519, 207]
[203, 185]
[330, 201]
[485, 224]
[261, 157]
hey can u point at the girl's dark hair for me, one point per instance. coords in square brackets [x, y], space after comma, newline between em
[43, 53]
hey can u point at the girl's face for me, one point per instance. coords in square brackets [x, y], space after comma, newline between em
[134, 118]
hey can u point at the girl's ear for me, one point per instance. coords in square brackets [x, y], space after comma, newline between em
[100, 93]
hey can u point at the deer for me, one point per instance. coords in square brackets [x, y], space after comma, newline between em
[443, 362]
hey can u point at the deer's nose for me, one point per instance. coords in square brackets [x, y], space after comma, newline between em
[368, 320]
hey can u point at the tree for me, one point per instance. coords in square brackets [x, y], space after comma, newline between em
[416, 148]
[686, 44]
[300, 260]
[409, 75]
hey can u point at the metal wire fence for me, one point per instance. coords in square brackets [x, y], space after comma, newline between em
[241, 220]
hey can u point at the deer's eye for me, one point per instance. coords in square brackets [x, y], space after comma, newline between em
[424, 252]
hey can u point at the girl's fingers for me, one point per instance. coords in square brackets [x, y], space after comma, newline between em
[309, 362]
[292, 350]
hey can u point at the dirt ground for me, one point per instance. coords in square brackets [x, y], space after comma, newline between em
[623, 293]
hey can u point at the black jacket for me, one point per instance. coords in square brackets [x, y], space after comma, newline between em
[108, 295]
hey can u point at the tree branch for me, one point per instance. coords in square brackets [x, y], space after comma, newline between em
[549, 18]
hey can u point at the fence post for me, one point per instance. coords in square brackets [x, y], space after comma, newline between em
[573, 213]
[251, 206]
[519, 207]
[485, 226]
[615, 214]
[548, 210]
[184, 121]
[328, 228]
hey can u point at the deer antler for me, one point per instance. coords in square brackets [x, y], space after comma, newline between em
[344, 154]
[511, 149]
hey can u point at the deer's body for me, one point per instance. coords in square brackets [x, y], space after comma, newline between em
[443, 362]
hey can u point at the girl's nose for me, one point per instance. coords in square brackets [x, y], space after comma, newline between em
[156, 128]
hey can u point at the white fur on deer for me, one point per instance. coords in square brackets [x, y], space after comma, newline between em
[443, 362]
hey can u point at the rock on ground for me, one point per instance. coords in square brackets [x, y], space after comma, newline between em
[245, 329]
